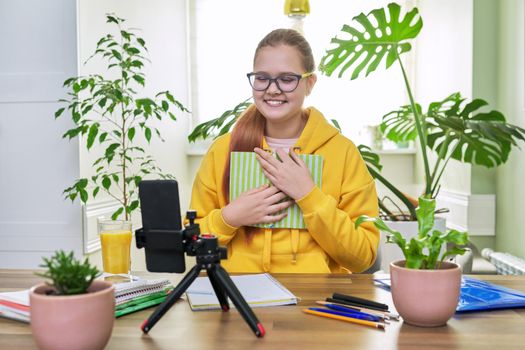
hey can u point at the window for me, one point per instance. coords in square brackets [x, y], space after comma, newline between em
[224, 35]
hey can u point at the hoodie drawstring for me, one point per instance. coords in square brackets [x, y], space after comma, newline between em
[267, 250]
[295, 244]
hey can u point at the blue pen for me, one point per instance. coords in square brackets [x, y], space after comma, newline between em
[346, 309]
[347, 314]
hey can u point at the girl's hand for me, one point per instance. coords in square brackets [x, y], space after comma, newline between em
[257, 206]
[290, 174]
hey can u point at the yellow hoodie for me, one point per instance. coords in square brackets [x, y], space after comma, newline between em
[331, 243]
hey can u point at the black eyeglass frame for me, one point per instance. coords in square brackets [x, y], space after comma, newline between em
[270, 80]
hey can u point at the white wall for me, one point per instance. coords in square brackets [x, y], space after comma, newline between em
[38, 41]
[39, 51]
[444, 65]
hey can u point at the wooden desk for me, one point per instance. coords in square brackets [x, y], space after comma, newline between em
[288, 328]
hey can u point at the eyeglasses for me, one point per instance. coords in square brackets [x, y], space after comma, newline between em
[285, 82]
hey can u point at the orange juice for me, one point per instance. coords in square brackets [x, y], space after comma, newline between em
[115, 251]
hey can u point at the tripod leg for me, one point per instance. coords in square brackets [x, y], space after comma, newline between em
[238, 300]
[219, 291]
[171, 299]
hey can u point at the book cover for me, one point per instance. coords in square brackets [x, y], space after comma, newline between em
[258, 290]
[246, 174]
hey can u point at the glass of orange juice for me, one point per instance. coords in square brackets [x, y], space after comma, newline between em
[115, 238]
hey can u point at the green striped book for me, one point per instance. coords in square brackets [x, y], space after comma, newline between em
[246, 174]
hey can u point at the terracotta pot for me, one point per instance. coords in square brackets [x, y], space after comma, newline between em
[425, 298]
[81, 321]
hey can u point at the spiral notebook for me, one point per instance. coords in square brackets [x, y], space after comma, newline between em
[139, 288]
[258, 290]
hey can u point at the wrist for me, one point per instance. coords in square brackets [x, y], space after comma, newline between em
[228, 216]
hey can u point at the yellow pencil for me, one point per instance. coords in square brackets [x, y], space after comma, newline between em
[347, 319]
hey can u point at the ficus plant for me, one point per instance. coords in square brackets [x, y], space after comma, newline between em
[111, 113]
[453, 128]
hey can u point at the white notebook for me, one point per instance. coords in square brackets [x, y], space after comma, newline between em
[258, 290]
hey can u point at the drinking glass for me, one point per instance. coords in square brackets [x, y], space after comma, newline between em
[115, 238]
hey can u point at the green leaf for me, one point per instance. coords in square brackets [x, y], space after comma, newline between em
[336, 124]
[83, 196]
[229, 117]
[93, 132]
[67, 275]
[111, 19]
[134, 205]
[147, 134]
[116, 214]
[81, 184]
[425, 215]
[482, 139]
[373, 38]
[106, 182]
[110, 150]
[102, 137]
[400, 125]
[131, 133]
[59, 112]
[95, 191]
[371, 159]
[138, 79]
[165, 106]
[117, 55]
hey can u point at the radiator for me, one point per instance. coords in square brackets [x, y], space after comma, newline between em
[505, 263]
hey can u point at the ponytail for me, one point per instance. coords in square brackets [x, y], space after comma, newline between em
[247, 134]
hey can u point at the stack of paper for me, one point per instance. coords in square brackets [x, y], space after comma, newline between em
[140, 294]
[258, 290]
[15, 305]
[129, 297]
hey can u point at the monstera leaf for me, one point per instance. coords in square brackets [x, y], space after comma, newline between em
[223, 123]
[482, 138]
[371, 159]
[374, 37]
[399, 126]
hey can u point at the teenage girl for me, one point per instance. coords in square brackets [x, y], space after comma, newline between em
[283, 75]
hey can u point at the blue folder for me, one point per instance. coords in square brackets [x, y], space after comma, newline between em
[477, 295]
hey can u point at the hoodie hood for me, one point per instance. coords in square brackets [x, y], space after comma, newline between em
[316, 133]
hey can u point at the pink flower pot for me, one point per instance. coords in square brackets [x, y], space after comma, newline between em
[425, 298]
[81, 321]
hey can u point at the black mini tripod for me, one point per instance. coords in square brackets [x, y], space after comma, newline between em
[208, 255]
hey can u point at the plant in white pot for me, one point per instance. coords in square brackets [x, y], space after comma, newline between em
[73, 310]
[110, 112]
[425, 288]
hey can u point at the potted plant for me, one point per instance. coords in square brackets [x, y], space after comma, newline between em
[109, 112]
[452, 128]
[425, 288]
[72, 308]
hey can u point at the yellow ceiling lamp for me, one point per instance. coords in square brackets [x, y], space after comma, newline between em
[297, 10]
